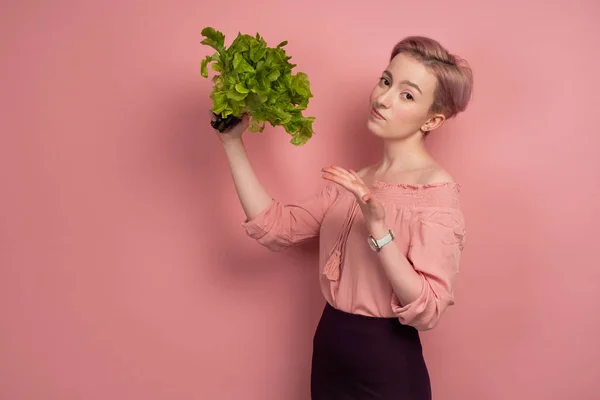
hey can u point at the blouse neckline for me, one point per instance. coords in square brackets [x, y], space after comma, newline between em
[378, 184]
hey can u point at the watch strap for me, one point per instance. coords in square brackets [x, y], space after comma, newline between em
[379, 243]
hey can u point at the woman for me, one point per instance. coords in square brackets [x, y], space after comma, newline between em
[390, 235]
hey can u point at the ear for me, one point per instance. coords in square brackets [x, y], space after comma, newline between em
[433, 123]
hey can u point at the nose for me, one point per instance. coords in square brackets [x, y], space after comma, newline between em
[384, 100]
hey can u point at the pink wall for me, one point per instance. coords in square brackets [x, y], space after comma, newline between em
[124, 273]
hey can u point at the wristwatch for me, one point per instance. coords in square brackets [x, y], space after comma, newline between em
[376, 245]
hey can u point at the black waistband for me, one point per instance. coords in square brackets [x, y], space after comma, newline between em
[357, 322]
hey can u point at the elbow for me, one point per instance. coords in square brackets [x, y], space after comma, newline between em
[274, 244]
[268, 237]
[425, 312]
[424, 324]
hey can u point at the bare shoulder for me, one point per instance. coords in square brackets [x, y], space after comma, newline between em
[436, 175]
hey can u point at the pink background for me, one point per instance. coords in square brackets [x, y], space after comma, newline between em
[124, 273]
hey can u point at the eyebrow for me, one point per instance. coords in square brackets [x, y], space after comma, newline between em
[409, 83]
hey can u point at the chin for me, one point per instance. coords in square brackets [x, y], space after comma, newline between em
[375, 128]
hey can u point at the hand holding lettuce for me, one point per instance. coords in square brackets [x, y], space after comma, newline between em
[257, 80]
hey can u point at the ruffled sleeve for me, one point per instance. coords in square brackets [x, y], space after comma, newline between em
[436, 242]
[280, 225]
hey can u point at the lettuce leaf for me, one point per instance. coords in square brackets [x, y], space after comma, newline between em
[256, 79]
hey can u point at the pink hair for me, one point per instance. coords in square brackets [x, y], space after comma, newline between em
[455, 78]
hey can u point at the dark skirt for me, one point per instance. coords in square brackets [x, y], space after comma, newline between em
[363, 358]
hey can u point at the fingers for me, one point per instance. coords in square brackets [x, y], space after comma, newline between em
[347, 178]
[355, 175]
[351, 181]
[334, 171]
[344, 172]
[337, 179]
[245, 117]
[339, 176]
[340, 179]
[341, 172]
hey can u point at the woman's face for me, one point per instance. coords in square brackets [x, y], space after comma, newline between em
[401, 101]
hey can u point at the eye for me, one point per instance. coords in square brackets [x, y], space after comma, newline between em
[407, 96]
[383, 80]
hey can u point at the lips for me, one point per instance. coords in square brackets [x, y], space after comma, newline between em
[376, 114]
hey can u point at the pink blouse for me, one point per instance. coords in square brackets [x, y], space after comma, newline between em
[429, 228]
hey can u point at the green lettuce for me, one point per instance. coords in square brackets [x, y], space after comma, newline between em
[258, 80]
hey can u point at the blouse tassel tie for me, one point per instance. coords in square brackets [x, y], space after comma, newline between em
[334, 262]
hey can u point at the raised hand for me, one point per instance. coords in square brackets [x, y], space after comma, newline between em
[236, 131]
[372, 209]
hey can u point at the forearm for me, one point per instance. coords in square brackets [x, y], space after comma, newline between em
[405, 281]
[253, 197]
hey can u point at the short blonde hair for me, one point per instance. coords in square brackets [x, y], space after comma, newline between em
[454, 76]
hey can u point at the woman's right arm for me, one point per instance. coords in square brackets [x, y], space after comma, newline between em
[252, 195]
[272, 223]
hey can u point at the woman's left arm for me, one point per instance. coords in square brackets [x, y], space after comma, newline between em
[423, 280]
[405, 280]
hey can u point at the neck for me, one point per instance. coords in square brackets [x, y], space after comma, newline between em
[404, 154]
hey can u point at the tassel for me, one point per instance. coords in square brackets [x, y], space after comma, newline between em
[332, 267]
